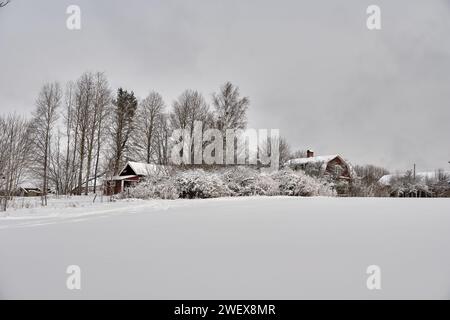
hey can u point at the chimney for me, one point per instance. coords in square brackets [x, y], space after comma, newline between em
[309, 153]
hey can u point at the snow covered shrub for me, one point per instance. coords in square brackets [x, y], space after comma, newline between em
[439, 184]
[359, 189]
[156, 188]
[236, 181]
[408, 185]
[239, 180]
[244, 181]
[313, 169]
[292, 184]
[197, 183]
[265, 185]
[297, 183]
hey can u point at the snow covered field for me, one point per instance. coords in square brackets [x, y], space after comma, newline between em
[240, 248]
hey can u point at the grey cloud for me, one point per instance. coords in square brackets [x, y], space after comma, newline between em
[311, 68]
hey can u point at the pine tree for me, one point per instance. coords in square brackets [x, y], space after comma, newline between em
[123, 112]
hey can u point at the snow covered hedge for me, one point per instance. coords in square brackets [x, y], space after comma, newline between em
[158, 188]
[183, 184]
[297, 183]
[243, 181]
[200, 184]
[234, 181]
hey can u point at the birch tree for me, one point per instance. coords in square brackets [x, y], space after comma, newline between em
[149, 113]
[101, 98]
[186, 110]
[162, 135]
[71, 134]
[44, 118]
[102, 101]
[230, 108]
[84, 97]
[14, 155]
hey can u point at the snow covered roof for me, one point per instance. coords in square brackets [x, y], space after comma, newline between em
[30, 184]
[318, 159]
[143, 169]
[123, 177]
[386, 179]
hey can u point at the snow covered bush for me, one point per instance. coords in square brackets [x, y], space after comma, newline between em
[197, 183]
[265, 185]
[297, 183]
[244, 181]
[408, 185]
[238, 181]
[160, 188]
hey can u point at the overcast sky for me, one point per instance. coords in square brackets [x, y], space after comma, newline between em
[311, 68]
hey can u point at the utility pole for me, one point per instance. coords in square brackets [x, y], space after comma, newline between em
[414, 172]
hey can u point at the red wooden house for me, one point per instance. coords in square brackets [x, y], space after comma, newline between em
[131, 174]
[333, 165]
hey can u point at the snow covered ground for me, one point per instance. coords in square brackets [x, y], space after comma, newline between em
[240, 248]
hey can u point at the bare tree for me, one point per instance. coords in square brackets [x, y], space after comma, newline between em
[190, 107]
[3, 164]
[102, 101]
[162, 134]
[230, 108]
[84, 96]
[187, 109]
[56, 169]
[298, 154]
[71, 133]
[370, 174]
[284, 149]
[14, 155]
[86, 103]
[44, 119]
[149, 113]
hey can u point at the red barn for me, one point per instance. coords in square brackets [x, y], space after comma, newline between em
[131, 174]
[333, 165]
